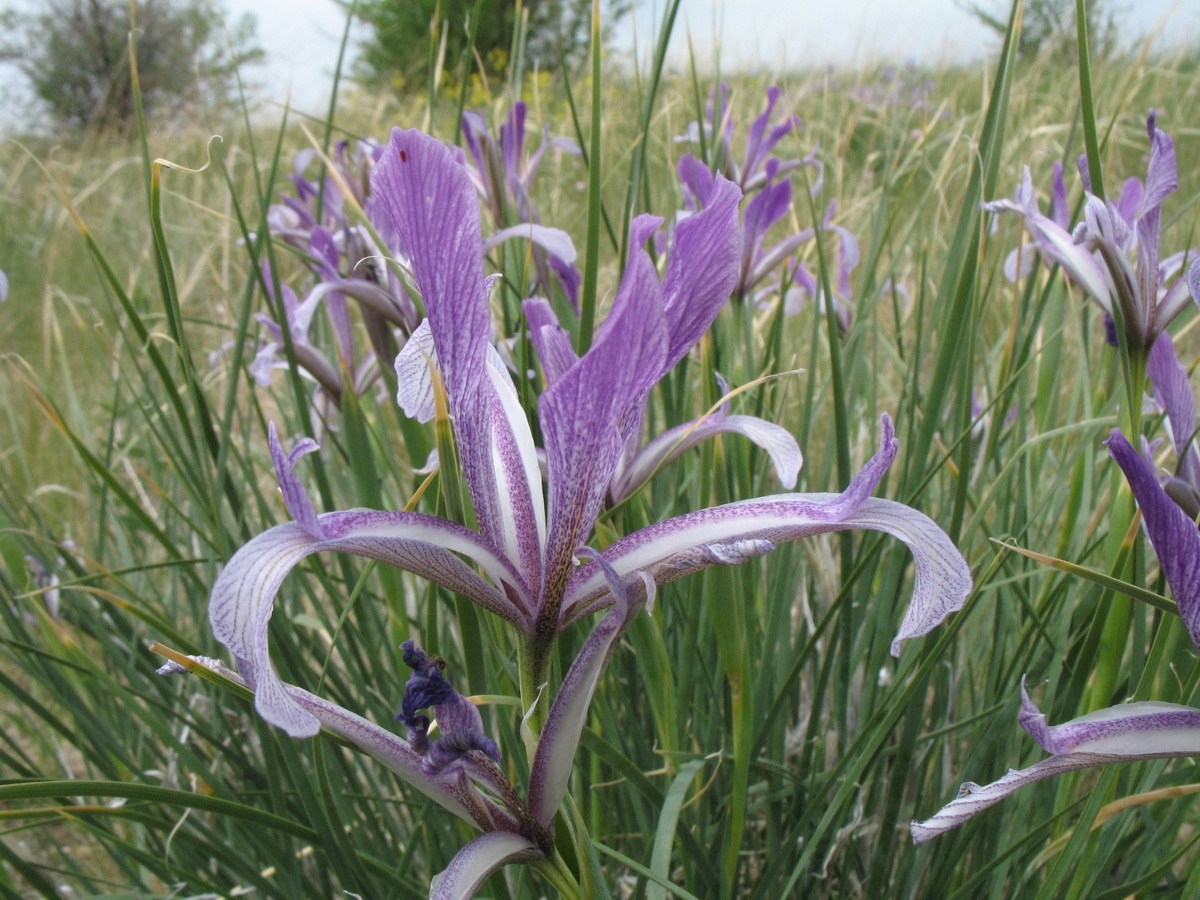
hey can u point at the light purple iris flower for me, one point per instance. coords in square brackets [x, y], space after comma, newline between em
[765, 181]
[806, 286]
[1096, 254]
[503, 173]
[343, 259]
[1145, 730]
[523, 561]
[751, 174]
[1019, 263]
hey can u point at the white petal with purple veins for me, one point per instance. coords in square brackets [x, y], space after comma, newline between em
[477, 860]
[1146, 730]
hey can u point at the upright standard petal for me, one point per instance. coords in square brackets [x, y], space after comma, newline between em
[1147, 730]
[428, 199]
[1172, 534]
[431, 204]
[702, 270]
[582, 412]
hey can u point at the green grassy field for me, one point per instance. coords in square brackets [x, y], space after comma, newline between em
[753, 737]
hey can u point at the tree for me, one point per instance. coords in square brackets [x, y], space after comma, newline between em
[402, 32]
[75, 54]
[1050, 24]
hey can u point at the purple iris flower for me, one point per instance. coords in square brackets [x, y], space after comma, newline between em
[343, 259]
[1096, 254]
[751, 174]
[503, 173]
[806, 286]
[1019, 263]
[1145, 730]
[765, 181]
[523, 562]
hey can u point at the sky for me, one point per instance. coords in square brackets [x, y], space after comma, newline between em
[301, 37]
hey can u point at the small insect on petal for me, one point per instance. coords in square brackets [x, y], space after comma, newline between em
[403, 156]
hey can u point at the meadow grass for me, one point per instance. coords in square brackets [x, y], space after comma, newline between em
[753, 737]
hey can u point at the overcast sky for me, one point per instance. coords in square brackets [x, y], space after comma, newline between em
[301, 36]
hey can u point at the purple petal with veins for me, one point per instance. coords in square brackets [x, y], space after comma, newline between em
[942, 577]
[702, 270]
[582, 410]
[1173, 392]
[1172, 533]
[430, 201]
[1145, 730]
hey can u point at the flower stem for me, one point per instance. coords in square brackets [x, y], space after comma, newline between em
[555, 870]
[1117, 609]
[531, 668]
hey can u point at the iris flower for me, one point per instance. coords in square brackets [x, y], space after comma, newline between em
[753, 172]
[523, 562]
[1131, 731]
[1096, 254]
[503, 174]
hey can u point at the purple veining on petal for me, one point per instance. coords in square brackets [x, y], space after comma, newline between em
[295, 497]
[676, 547]
[1173, 535]
[701, 272]
[1132, 731]
[582, 410]
[243, 595]
[478, 859]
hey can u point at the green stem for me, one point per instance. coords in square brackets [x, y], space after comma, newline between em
[1118, 609]
[555, 870]
[531, 669]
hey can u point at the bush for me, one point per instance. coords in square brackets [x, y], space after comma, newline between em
[75, 54]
